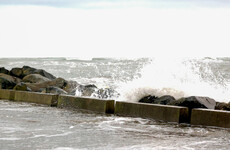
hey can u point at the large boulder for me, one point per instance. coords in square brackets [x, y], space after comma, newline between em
[71, 86]
[222, 106]
[106, 93]
[21, 87]
[26, 70]
[4, 70]
[6, 84]
[45, 74]
[7, 81]
[17, 72]
[86, 90]
[10, 78]
[39, 87]
[148, 99]
[54, 90]
[195, 102]
[35, 78]
[164, 100]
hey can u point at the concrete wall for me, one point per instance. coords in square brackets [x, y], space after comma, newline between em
[206, 117]
[153, 111]
[39, 98]
[7, 94]
[104, 106]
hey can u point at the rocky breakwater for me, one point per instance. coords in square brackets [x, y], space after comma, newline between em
[39, 80]
[190, 102]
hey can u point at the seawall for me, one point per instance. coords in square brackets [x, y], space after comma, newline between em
[200, 117]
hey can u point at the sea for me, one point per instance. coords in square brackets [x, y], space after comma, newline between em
[32, 126]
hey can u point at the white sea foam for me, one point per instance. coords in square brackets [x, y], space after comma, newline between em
[177, 77]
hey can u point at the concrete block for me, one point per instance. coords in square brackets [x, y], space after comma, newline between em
[39, 98]
[154, 111]
[207, 117]
[98, 105]
[7, 94]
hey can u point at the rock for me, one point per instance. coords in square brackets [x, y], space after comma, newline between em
[21, 87]
[45, 74]
[27, 70]
[195, 102]
[11, 78]
[35, 78]
[54, 90]
[17, 72]
[106, 93]
[6, 84]
[148, 99]
[4, 70]
[7, 81]
[70, 87]
[39, 87]
[222, 106]
[86, 90]
[164, 100]
[157, 100]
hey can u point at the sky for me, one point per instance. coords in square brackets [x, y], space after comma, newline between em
[114, 28]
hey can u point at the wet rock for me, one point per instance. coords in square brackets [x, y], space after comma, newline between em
[11, 78]
[106, 93]
[148, 99]
[164, 100]
[45, 74]
[195, 102]
[157, 100]
[70, 87]
[7, 81]
[38, 87]
[6, 84]
[21, 87]
[17, 72]
[27, 70]
[86, 90]
[54, 90]
[35, 78]
[222, 106]
[4, 70]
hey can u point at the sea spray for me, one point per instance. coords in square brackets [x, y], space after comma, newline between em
[178, 77]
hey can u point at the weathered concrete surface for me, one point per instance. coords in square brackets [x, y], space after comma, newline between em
[98, 105]
[7, 94]
[153, 111]
[206, 117]
[39, 98]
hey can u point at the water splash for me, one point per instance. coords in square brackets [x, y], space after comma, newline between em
[178, 77]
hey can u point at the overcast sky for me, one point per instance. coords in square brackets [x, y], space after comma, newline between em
[109, 28]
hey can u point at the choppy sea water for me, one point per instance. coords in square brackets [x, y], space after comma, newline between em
[135, 78]
[29, 126]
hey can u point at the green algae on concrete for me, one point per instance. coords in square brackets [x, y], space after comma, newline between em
[39, 98]
[98, 105]
[207, 117]
[153, 111]
[7, 94]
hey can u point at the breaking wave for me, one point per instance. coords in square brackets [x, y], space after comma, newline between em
[179, 78]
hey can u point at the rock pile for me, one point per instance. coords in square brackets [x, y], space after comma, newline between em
[190, 102]
[38, 80]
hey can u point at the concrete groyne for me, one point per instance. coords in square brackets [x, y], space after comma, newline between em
[201, 117]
